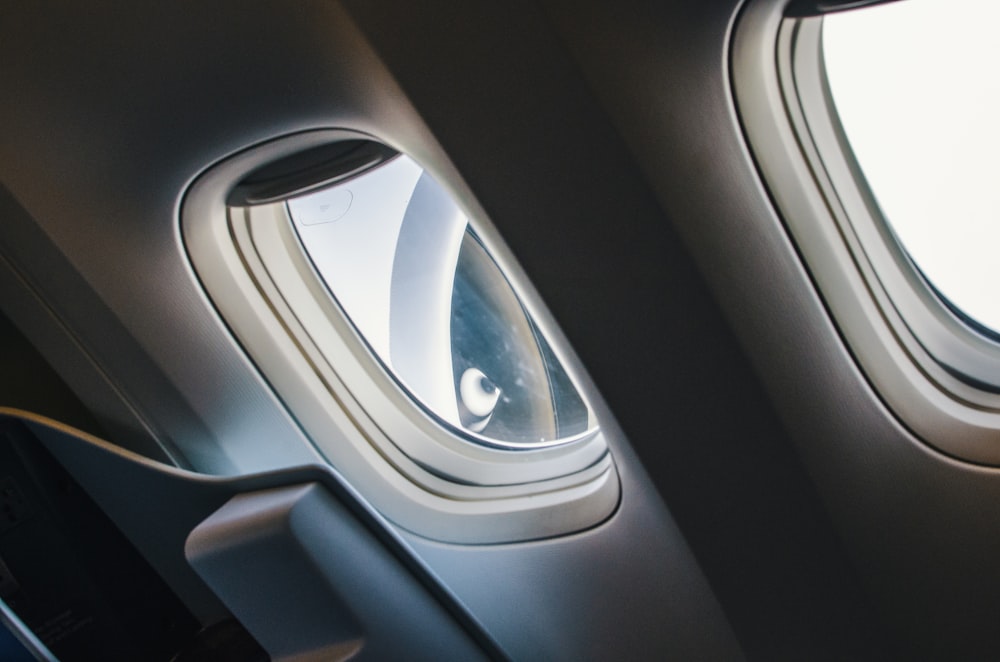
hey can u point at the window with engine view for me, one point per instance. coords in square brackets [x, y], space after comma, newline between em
[435, 308]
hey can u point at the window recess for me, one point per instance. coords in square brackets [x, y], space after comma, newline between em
[398, 333]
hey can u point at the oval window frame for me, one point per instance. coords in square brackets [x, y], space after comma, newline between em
[420, 475]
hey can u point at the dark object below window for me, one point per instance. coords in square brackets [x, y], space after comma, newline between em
[74, 579]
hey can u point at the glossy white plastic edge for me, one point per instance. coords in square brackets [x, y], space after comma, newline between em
[825, 220]
[528, 494]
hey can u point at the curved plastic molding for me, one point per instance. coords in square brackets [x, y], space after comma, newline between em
[388, 322]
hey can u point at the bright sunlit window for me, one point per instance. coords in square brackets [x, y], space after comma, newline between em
[415, 279]
[916, 88]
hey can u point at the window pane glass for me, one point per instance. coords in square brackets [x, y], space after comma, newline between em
[915, 85]
[401, 259]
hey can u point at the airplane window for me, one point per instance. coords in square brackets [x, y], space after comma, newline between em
[418, 284]
[916, 92]
[875, 131]
[402, 338]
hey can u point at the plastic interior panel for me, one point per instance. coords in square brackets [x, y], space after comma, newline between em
[301, 573]
[158, 507]
[251, 554]
[614, 121]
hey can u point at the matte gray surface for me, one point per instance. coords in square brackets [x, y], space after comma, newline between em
[249, 553]
[122, 108]
[627, 584]
[299, 569]
[310, 582]
[82, 162]
[541, 144]
[920, 526]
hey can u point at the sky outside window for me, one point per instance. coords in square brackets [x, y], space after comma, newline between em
[916, 84]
